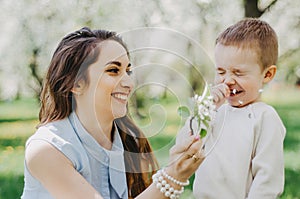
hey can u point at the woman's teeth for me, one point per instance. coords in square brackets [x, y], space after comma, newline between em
[120, 96]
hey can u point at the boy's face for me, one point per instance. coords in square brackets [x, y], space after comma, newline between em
[239, 69]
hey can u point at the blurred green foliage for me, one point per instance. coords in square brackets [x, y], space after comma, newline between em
[17, 122]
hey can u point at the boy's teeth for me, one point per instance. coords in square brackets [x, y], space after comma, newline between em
[234, 91]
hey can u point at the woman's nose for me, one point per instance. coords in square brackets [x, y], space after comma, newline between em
[127, 81]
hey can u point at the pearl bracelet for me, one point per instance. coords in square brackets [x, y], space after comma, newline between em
[187, 182]
[164, 187]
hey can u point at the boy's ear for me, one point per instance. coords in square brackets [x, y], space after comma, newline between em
[269, 73]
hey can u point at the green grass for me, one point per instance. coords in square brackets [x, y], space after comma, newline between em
[14, 134]
[11, 160]
[11, 186]
[25, 109]
[19, 118]
[290, 114]
[17, 122]
[11, 172]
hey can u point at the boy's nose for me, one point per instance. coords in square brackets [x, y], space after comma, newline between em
[229, 80]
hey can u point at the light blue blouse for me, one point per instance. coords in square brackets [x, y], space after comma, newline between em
[103, 169]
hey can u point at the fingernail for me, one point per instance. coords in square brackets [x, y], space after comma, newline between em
[197, 137]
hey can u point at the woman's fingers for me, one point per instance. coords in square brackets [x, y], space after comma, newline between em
[184, 132]
[184, 144]
[195, 153]
[195, 147]
[186, 155]
[186, 149]
[187, 162]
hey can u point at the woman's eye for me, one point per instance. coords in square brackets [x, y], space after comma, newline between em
[113, 70]
[129, 72]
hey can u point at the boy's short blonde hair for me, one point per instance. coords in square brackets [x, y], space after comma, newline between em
[254, 34]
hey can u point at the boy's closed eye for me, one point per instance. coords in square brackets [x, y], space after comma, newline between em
[238, 74]
[221, 72]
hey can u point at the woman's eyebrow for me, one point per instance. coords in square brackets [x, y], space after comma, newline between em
[117, 63]
[114, 63]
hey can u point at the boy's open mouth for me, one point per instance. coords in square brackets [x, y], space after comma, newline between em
[234, 92]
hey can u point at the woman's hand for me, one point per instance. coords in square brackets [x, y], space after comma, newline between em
[185, 156]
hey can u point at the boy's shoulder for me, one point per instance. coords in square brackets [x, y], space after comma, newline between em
[257, 110]
[267, 114]
[257, 106]
[263, 108]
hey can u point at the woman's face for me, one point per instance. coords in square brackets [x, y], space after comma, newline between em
[110, 83]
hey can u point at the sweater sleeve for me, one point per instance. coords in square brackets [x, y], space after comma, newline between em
[267, 162]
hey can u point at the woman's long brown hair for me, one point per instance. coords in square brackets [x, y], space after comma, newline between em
[140, 162]
[69, 63]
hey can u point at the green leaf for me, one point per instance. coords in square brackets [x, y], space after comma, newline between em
[205, 123]
[183, 111]
[203, 133]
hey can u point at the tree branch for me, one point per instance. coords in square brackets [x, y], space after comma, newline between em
[269, 6]
[252, 9]
[33, 66]
[288, 54]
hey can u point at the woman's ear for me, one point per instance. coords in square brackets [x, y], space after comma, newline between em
[78, 88]
[269, 73]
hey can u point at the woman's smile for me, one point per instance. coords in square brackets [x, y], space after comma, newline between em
[122, 97]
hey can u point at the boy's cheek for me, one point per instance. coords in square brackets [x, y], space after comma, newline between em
[217, 80]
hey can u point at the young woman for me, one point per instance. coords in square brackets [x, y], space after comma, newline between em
[86, 146]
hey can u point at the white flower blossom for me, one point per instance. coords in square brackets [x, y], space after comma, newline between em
[203, 112]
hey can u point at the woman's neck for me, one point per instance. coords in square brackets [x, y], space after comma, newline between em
[99, 128]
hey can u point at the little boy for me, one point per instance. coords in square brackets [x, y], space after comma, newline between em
[247, 159]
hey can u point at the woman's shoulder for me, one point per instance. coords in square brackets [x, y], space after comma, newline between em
[57, 136]
[59, 133]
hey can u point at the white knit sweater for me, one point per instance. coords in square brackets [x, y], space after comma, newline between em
[247, 161]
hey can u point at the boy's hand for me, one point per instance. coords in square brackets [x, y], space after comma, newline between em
[220, 92]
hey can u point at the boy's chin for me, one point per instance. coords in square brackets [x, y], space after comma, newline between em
[238, 104]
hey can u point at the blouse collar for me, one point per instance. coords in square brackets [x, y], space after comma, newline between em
[113, 159]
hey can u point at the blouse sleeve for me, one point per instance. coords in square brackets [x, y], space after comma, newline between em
[267, 161]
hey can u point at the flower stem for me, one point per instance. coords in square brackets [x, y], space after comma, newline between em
[191, 125]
